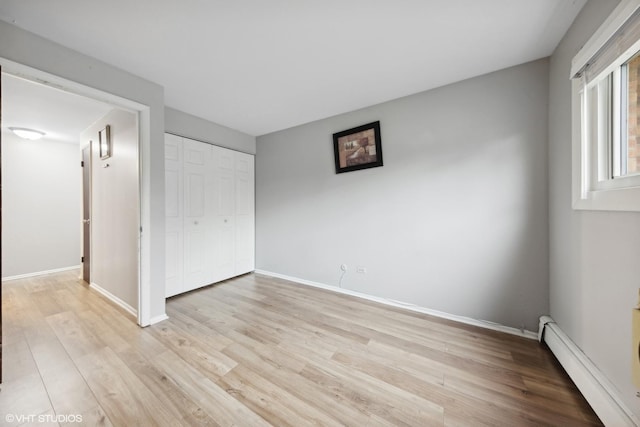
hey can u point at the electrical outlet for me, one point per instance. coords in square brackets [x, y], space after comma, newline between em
[361, 270]
[343, 267]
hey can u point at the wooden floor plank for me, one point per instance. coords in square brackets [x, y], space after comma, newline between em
[75, 336]
[120, 392]
[172, 396]
[218, 403]
[69, 393]
[258, 351]
[273, 367]
[204, 355]
[24, 396]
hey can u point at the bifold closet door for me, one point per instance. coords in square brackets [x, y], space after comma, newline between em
[244, 213]
[210, 219]
[197, 253]
[223, 189]
[173, 188]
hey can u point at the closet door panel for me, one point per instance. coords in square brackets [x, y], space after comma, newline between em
[174, 215]
[194, 259]
[244, 247]
[245, 216]
[173, 268]
[197, 271]
[223, 216]
[226, 160]
[225, 173]
[194, 194]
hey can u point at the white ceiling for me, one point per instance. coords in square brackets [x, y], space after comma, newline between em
[260, 66]
[62, 116]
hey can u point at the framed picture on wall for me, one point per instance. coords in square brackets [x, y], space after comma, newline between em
[358, 148]
[104, 139]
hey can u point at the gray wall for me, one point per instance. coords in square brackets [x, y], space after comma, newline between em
[26, 48]
[187, 125]
[115, 205]
[594, 268]
[455, 220]
[41, 195]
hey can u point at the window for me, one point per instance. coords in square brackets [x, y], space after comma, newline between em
[606, 115]
[630, 151]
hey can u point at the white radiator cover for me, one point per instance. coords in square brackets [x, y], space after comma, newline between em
[594, 386]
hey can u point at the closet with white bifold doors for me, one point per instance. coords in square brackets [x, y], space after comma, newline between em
[210, 214]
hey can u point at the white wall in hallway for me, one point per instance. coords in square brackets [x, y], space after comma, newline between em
[41, 193]
[115, 215]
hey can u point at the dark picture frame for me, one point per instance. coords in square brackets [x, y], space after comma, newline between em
[358, 148]
[104, 141]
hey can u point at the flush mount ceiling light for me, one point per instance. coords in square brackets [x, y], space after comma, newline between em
[25, 133]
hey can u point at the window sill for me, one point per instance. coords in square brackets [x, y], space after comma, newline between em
[623, 199]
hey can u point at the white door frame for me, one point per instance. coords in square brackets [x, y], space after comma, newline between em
[144, 165]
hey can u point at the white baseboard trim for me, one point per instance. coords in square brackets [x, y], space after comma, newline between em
[114, 299]
[467, 320]
[594, 386]
[157, 319]
[39, 273]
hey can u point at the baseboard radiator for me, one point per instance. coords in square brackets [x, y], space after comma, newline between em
[594, 386]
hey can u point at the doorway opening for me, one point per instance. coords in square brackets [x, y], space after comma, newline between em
[42, 191]
[141, 132]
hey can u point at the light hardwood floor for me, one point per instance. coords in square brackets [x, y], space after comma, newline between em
[257, 351]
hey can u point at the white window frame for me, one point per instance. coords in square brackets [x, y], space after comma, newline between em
[592, 185]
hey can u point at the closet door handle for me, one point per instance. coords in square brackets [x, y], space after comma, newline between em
[195, 222]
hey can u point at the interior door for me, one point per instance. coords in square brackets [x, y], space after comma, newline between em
[197, 268]
[174, 191]
[86, 213]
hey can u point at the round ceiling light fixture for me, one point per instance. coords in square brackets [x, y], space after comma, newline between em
[25, 133]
